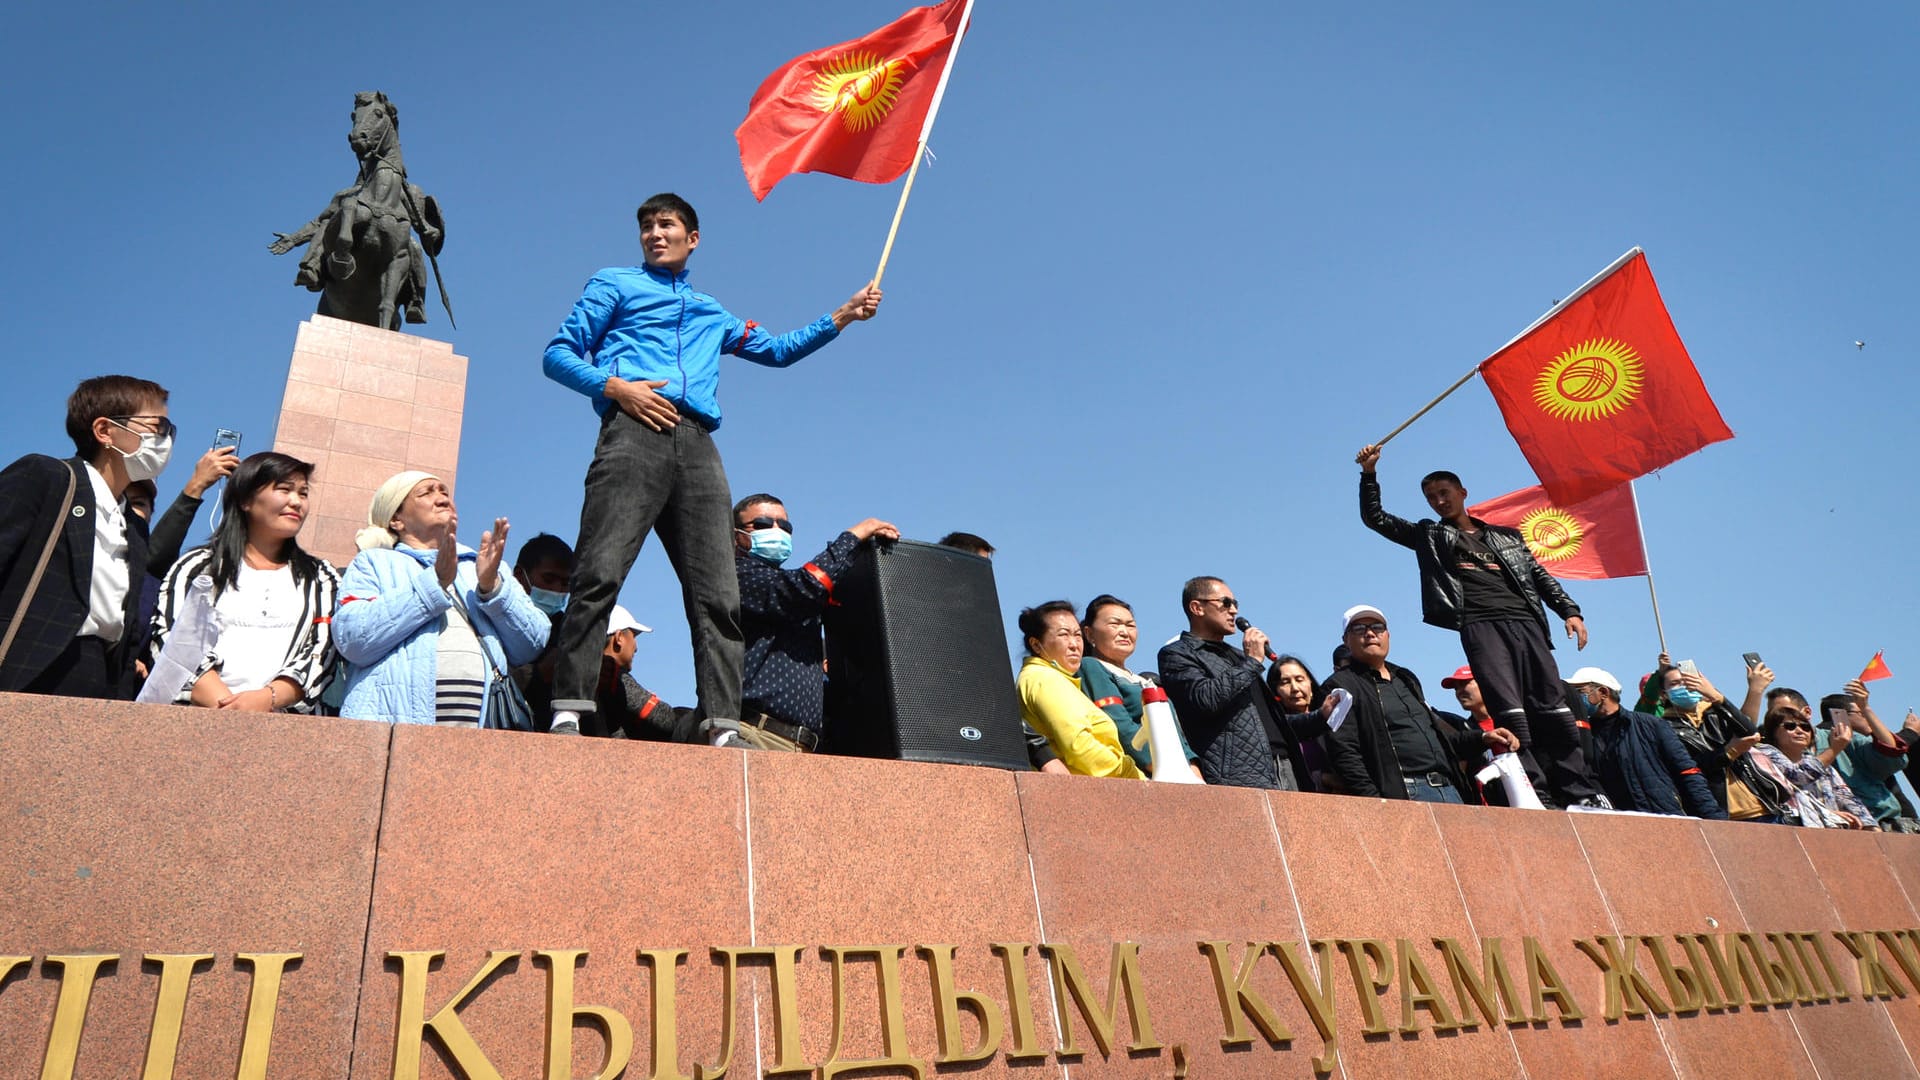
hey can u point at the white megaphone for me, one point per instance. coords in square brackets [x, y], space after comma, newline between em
[1163, 739]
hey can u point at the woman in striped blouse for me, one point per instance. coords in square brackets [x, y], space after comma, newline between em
[268, 647]
[425, 622]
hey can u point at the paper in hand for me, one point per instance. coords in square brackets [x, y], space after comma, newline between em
[1342, 704]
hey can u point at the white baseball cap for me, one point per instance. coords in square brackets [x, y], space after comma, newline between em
[622, 619]
[1355, 612]
[1593, 676]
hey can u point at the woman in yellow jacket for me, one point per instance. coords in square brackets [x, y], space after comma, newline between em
[1052, 702]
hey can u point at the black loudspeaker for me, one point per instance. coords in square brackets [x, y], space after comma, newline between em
[917, 665]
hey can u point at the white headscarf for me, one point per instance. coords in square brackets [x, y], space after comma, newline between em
[386, 502]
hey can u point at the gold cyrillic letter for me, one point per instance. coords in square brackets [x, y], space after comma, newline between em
[1240, 1002]
[1371, 978]
[666, 1033]
[1779, 986]
[409, 1030]
[1811, 939]
[893, 1013]
[1544, 982]
[788, 1056]
[1491, 987]
[1123, 976]
[1875, 980]
[1418, 991]
[70, 1011]
[263, 1000]
[1683, 985]
[1026, 1041]
[561, 1013]
[163, 1035]
[1317, 998]
[1628, 991]
[947, 1003]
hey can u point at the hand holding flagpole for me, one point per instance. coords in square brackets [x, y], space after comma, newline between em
[920, 151]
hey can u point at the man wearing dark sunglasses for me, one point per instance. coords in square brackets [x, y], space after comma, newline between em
[69, 601]
[780, 615]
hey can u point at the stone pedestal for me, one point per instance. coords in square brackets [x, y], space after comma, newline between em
[442, 904]
[364, 403]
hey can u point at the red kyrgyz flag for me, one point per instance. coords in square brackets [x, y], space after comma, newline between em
[1603, 391]
[855, 109]
[1598, 538]
[1876, 668]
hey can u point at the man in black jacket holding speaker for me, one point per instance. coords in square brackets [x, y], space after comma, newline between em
[780, 616]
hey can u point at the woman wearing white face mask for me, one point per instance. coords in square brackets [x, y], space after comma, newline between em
[68, 600]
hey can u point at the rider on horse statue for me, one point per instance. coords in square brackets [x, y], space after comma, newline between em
[361, 255]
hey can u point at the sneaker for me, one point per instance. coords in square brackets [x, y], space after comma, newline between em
[566, 727]
[1595, 801]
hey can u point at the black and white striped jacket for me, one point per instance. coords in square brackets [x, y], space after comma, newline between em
[310, 655]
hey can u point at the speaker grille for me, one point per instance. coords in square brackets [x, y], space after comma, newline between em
[917, 662]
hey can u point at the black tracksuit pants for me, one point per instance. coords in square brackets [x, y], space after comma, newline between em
[1514, 666]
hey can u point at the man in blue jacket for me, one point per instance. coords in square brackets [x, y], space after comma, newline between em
[646, 348]
[1638, 759]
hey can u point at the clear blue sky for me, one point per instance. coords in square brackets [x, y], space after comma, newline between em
[1172, 267]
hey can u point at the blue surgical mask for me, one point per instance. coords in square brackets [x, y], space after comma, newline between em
[553, 603]
[1684, 699]
[773, 545]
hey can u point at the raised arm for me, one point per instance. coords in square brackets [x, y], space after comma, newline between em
[1397, 529]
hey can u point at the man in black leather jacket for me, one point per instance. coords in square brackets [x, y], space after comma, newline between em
[1483, 581]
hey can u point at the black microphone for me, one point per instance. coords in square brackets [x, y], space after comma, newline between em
[1240, 621]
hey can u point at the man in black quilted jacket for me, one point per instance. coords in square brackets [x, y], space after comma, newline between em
[1483, 581]
[1218, 693]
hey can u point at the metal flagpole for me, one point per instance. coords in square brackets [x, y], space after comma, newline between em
[926, 130]
[1551, 312]
[1658, 629]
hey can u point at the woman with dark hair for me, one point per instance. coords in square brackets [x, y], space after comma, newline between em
[1111, 635]
[1052, 701]
[1719, 738]
[270, 649]
[1821, 795]
[1297, 695]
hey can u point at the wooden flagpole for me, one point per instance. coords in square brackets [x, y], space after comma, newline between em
[1551, 312]
[926, 131]
[1659, 630]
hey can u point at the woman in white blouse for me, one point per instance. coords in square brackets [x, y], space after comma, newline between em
[268, 645]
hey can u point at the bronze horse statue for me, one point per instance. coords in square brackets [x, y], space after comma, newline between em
[361, 255]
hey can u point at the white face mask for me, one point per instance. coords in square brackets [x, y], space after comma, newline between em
[146, 462]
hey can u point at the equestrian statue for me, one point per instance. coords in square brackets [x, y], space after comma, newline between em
[361, 255]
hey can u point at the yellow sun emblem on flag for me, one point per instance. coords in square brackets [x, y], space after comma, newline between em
[1551, 534]
[1594, 379]
[860, 86]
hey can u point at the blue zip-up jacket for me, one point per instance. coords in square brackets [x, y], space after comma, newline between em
[640, 324]
[388, 629]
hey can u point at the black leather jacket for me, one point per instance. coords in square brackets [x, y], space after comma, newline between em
[1432, 542]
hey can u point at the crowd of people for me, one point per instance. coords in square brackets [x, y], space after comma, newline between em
[99, 601]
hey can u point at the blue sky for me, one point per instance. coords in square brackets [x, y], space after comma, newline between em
[1170, 269]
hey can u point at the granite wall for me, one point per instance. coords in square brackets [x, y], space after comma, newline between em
[189, 894]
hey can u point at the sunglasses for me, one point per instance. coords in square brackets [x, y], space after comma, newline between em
[1796, 725]
[1365, 628]
[163, 427]
[759, 523]
[1227, 603]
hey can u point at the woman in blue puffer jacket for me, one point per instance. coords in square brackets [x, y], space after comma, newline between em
[426, 623]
